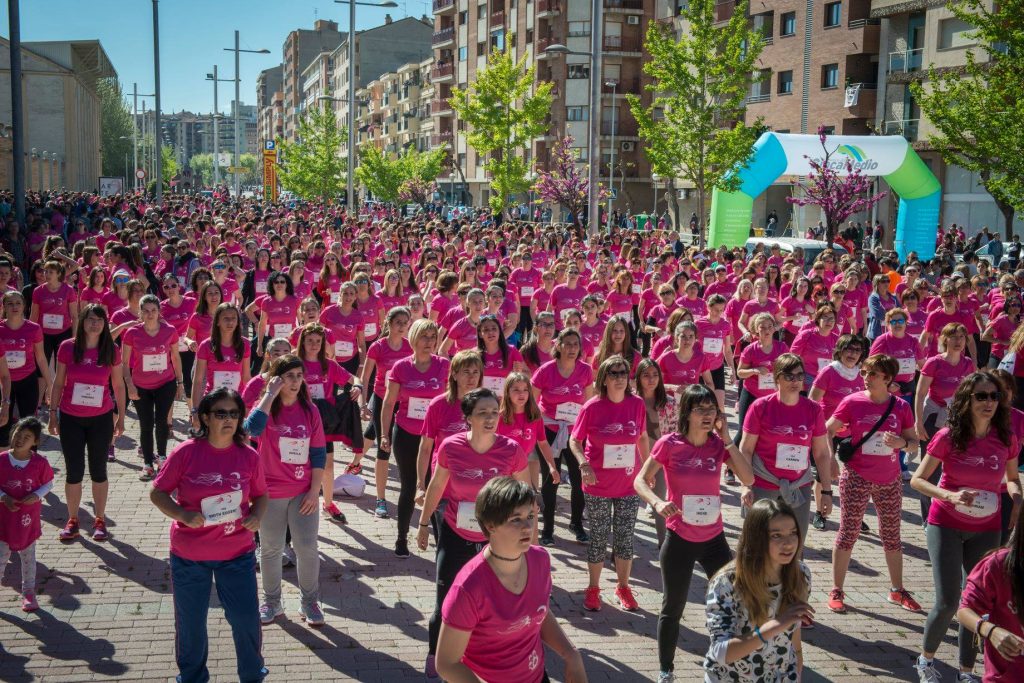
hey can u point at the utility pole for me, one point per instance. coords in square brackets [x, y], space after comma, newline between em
[17, 113]
[596, 36]
[157, 147]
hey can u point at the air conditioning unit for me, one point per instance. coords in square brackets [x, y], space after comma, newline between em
[628, 146]
[633, 20]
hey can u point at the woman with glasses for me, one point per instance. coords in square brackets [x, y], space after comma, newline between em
[976, 450]
[872, 474]
[949, 313]
[895, 342]
[222, 275]
[466, 461]
[277, 311]
[1001, 328]
[370, 308]
[176, 311]
[688, 458]
[292, 450]
[783, 433]
[910, 302]
[691, 300]
[568, 295]
[84, 416]
[223, 359]
[213, 489]
[816, 342]
[539, 346]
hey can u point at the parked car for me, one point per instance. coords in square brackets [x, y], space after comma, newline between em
[812, 248]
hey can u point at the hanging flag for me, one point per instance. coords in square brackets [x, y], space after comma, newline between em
[852, 95]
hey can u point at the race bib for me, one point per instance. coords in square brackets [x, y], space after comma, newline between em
[985, 504]
[766, 382]
[792, 457]
[495, 384]
[88, 395]
[283, 329]
[907, 365]
[154, 362]
[876, 445]
[619, 456]
[417, 409]
[261, 286]
[226, 378]
[15, 359]
[526, 291]
[712, 345]
[335, 297]
[53, 321]
[370, 329]
[182, 344]
[465, 518]
[316, 390]
[294, 451]
[226, 507]
[344, 349]
[800, 321]
[492, 262]
[701, 510]
[567, 412]
[823, 363]
[636, 289]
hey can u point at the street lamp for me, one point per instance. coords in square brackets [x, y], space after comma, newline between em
[451, 195]
[611, 161]
[350, 198]
[216, 128]
[238, 138]
[135, 130]
[654, 187]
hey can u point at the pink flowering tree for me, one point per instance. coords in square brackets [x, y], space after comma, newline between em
[565, 183]
[836, 187]
[417, 190]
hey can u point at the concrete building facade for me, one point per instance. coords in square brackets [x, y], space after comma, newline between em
[300, 47]
[270, 103]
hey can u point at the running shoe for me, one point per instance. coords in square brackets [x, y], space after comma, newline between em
[666, 677]
[904, 599]
[110, 453]
[547, 541]
[818, 522]
[402, 548]
[147, 473]
[730, 478]
[354, 468]
[592, 599]
[312, 615]
[28, 603]
[270, 612]
[926, 671]
[70, 530]
[380, 511]
[288, 556]
[626, 599]
[836, 601]
[99, 530]
[334, 514]
[581, 535]
[430, 668]
[967, 677]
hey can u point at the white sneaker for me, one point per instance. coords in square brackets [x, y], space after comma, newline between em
[666, 677]
[965, 677]
[926, 672]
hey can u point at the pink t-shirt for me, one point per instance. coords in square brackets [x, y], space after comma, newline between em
[444, 419]
[468, 472]
[385, 358]
[178, 317]
[618, 303]
[87, 385]
[981, 467]
[463, 334]
[495, 371]
[945, 377]
[874, 461]
[692, 481]
[989, 591]
[345, 327]
[610, 431]
[523, 432]
[370, 312]
[677, 372]
[280, 315]
[284, 449]
[321, 384]
[803, 310]
[696, 306]
[526, 282]
[19, 348]
[563, 298]
[223, 373]
[711, 337]
[592, 334]
[814, 348]
[150, 360]
[416, 389]
[939, 319]
[220, 483]
[251, 392]
[784, 435]
[199, 327]
[505, 628]
[753, 356]
[556, 390]
[905, 350]
[837, 382]
[54, 307]
[20, 529]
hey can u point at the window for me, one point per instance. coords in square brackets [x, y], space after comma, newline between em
[833, 14]
[481, 48]
[463, 17]
[829, 130]
[579, 71]
[579, 153]
[787, 24]
[577, 113]
[462, 53]
[785, 83]
[579, 28]
[829, 76]
[954, 33]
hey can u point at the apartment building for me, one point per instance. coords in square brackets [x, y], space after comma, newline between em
[300, 48]
[393, 111]
[317, 80]
[270, 103]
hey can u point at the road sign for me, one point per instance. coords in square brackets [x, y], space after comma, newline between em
[140, 174]
[237, 169]
[270, 175]
[268, 145]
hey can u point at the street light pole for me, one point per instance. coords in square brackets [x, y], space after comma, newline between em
[654, 191]
[158, 153]
[596, 35]
[611, 161]
[238, 81]
[135, 130]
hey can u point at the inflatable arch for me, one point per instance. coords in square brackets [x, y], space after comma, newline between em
[890, 156]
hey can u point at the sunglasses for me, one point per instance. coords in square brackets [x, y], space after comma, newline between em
[868, 373]
[280, 282]
[792, 376]
[545, 324]
[171, 285]
[618, 374]
[983, 396]
[840, 292]
[898, 321]
[226, 414]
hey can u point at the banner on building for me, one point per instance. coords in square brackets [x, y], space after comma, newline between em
[852, 95]
[269, 175]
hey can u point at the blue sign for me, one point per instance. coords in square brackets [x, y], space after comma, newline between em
[268, 145]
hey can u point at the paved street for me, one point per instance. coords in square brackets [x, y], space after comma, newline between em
[106, 608]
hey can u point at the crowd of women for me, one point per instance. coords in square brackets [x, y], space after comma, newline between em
[496, 365]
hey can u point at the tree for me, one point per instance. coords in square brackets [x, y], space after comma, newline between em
[379, 173]
[312, 167]
[502, 118]
[385, 176]
[566, 183]
[202, 168]
[116, 129]
[838, 189]
[417, 190]
[979, 111]
[693, 128]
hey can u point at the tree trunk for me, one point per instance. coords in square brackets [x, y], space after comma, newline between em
[672, 202]
[1008, 212]
[701, 223]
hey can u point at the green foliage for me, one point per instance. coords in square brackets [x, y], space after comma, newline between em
[312, 167]
[202, 169]
[385, 176]
[979, 112]
[502, 118]
[694, 127]
[115, 123]
[168, 165]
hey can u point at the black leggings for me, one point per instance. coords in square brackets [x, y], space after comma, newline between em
[677, 559]
[453, 552]
[188, 361]
[86, 435]
[24, 394]
[406, 448]
[746, 398]
[153, 405]
[549, 489]
[525, 323]
[51, 342]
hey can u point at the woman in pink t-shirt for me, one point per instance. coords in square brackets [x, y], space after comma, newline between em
[991, 605]
[461, 330]
[1000, 329]
[465, 462]
[496, 617]
[796, 309]
[949, 313]
[977, 450]
[760, 303]
[223, 359]
[610, 441]
[816, 342]
[522, 422]
[278, 310]
[21, 342]
[685, 364]
[539, 345]
[54, 308]
[499, 358]
[213, 489]
[83, 414]
[370, 307]
[617, 340]
[756, 362]
[343, 320]
[872, 474]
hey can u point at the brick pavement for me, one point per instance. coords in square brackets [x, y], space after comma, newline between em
[106, 608]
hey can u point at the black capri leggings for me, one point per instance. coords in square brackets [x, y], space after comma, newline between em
[152, 406]
[406, 447]
[549, 489]
[51, 342]
[81, 436]
[188, 362]
[25, 395]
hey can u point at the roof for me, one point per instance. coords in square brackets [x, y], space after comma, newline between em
[86, 58]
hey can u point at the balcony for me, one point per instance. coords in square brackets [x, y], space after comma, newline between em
[548, 8]
[497, 19]
[906, 61]
[757, 98]
[443, 138]
[625, 86]
[443, 6]
[908, 128]
[866, 100]
[440, 107]
[543, 43]
[622, 129]
[445, 35]
[865, 35]
[442, 71]
[621, 44]
[624, 5]
[724, 10]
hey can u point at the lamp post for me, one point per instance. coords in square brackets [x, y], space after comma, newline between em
[611, 160]
[451, 195]
[157, 135]
[135, 129]
[238, 80]
[654, 187]
[216, 127]
[532, 177]
[351, 118]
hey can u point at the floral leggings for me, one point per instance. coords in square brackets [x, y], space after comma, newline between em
[617, 515]
[854, 493]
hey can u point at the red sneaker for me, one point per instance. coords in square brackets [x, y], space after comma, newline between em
[334, 514]
[904, 599]
[99, 530]
[28, 603]
[626, 599]
[836, 599]
[592, 599]
[70, 530]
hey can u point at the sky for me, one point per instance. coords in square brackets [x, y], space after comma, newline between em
[193, 34]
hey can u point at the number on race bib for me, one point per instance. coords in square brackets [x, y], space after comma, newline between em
[876, 445]
[792, 457]
[53, 321]
[223, 508]
[766, 382]
[496, 384]
[619, 456]
[15, 359]
[465, 518]
[294, 451]
[88, 395]
[985, 504]
[712, 345]
[701, 510]
[154, 362]
[344, 349]
[226, 378]
[417, 409]
[567, 412]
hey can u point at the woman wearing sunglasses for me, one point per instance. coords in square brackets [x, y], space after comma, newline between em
[977, 450]
[213, 489]
[1001, 328]
[223, 359]
[175, 310]
[783, 434]
[277, 311]
[872, 474]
